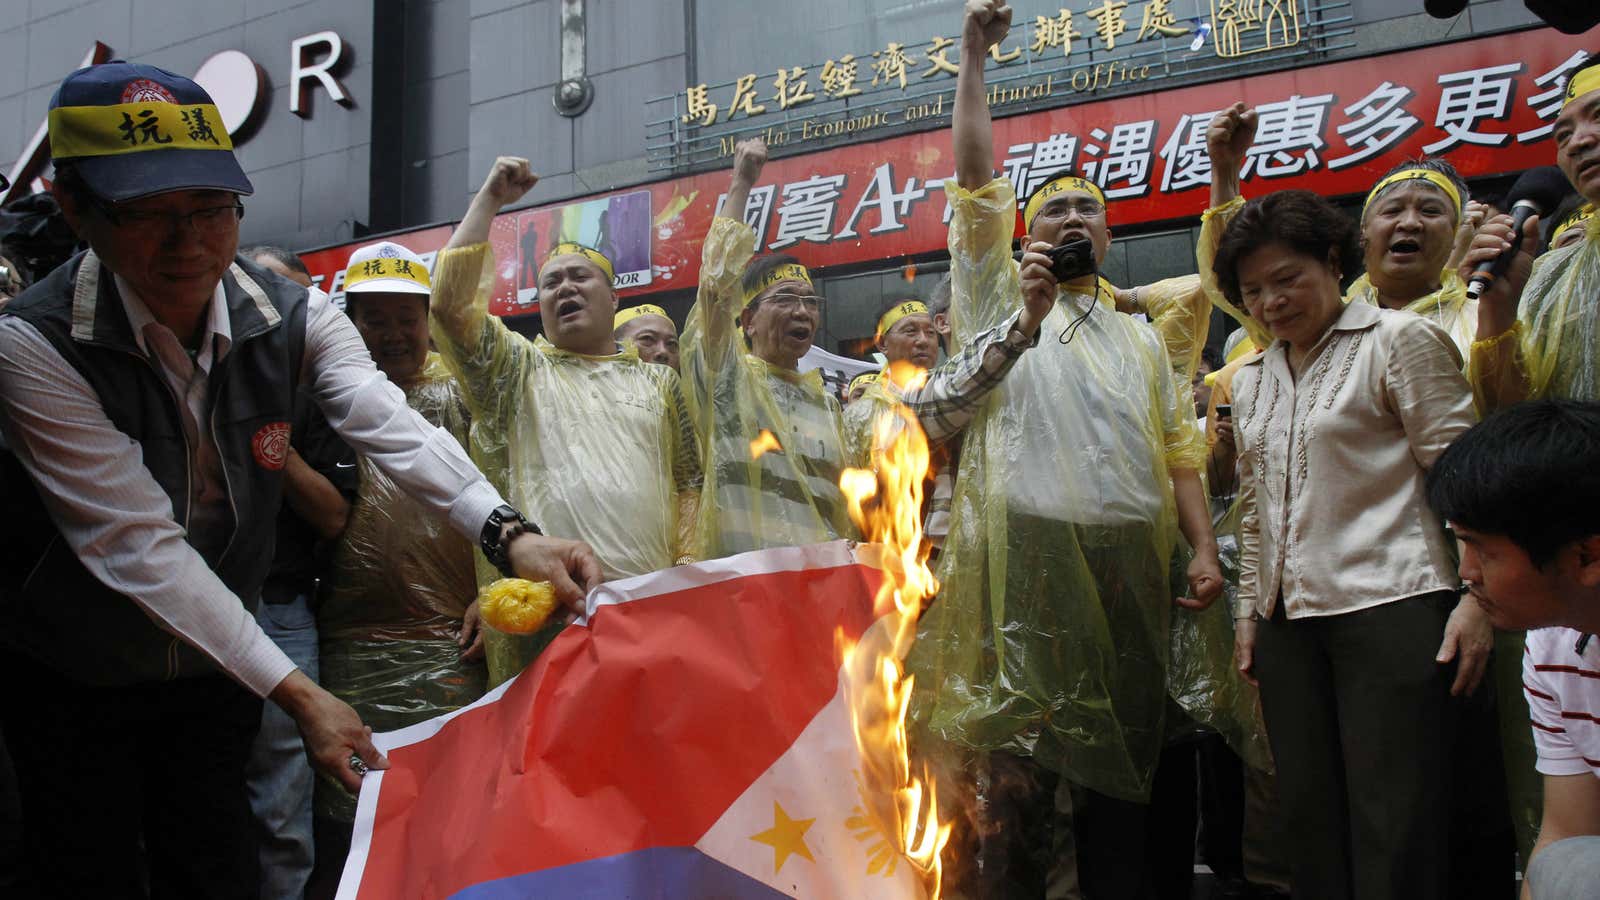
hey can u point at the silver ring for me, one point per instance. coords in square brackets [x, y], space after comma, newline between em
[357, 766]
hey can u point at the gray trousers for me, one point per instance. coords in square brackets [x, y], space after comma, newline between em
[1566, 870]
[1359, 719]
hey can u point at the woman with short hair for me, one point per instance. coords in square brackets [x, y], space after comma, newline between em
[1347, 577]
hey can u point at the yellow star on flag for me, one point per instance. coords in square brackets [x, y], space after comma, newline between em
[786, 837]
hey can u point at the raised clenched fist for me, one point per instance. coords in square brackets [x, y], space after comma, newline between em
[987, 21]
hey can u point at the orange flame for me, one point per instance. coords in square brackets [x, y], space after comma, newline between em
[763, 442]
[887, 506]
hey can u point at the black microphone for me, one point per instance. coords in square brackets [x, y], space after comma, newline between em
[1536, 192]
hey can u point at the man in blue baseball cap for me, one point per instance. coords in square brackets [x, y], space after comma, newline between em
[146, 389]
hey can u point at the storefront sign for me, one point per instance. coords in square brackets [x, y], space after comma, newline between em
[1486, 105]
[1056, 57]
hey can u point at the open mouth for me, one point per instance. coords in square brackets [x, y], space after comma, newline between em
[568, 307]
[1405, 245]
[798, 332]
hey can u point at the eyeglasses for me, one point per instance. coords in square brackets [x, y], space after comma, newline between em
[1087, 209]
[211, 220]
[812, 302]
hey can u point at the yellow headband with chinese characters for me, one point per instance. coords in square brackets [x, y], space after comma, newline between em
[1578, 219]
[1055, 186]
[899, 311]
[592, 255]
[1582, 83]
[78, 131]
[862, 380]
[624, 316]
[1434, 178]
[387, 267]
[785, 272]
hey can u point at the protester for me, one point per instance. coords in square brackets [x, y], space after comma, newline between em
[858, 386]
[1411, 221]
[1571, 219]
[781, 489]
[396, 615]
[319, 483]
[1409, 224]
[1539, 324]
[1349, 632]
[1074, 484]
[1520, 491]
[127, 737]
[650, 331]
[594, 442]
[943, 400]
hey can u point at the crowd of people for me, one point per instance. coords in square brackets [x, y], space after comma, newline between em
[1266, 606]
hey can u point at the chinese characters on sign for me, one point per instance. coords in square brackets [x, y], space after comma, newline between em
[1242, 27]
[1486, 105]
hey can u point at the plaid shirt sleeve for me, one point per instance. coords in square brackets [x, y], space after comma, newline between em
[950, 398]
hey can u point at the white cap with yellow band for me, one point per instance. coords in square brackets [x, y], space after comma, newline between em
[1057, 185]
[386, 268]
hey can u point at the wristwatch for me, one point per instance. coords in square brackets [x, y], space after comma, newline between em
[494, 545]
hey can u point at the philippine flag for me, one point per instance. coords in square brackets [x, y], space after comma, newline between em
[688, 738]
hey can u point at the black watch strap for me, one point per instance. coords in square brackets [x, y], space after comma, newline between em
[494, 549]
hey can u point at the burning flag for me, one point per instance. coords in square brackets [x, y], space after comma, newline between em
[731, 729]
[690, 737]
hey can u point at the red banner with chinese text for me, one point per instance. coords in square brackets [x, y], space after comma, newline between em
[1485, 105]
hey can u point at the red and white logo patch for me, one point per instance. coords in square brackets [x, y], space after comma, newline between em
[271, 445]
[143, 90]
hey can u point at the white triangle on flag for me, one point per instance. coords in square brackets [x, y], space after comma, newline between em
[815, 780]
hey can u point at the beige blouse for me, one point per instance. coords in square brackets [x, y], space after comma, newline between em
[1332, 462]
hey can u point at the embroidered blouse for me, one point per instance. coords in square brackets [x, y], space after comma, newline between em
[1332, 461]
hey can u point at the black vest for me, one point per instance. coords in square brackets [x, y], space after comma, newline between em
[52, 610]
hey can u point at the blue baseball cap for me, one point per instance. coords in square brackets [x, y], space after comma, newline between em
[134, 130]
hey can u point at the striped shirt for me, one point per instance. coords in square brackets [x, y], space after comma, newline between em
[1563, 690]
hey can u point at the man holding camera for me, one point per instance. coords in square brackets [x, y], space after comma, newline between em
[1044, 662]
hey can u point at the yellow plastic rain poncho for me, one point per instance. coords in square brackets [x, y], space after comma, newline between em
[1448, 307]
[1554, 350]
[1051, 636]
[861, 418]
[756, 496]
[401, 580]
[1213, 222]
[594, 448]
[1180, 310]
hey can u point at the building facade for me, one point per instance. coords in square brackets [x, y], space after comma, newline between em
[355, 119]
